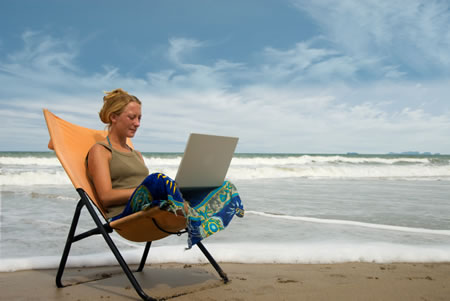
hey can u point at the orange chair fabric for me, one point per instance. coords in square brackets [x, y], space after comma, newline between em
[71, 144]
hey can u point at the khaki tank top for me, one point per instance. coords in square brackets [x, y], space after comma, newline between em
[127, 171]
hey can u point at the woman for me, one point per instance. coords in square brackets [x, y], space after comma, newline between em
[115, 168]
[123, 185]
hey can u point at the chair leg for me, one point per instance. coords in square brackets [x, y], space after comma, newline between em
[69, 241]
[144, 256]
[116, 253]
[84, 201]
[213, 262]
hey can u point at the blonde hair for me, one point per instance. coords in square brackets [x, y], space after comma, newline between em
[114, 102]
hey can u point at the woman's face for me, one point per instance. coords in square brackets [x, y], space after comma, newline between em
[128, 121]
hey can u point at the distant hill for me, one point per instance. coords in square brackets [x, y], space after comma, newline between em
[411, 153]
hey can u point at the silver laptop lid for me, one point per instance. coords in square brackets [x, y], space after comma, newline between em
[205, 161]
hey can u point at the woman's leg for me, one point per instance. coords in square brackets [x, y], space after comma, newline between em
[156, 190]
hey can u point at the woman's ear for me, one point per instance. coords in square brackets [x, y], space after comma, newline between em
[113, 117]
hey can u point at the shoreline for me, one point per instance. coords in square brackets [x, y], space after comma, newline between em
[339, 281]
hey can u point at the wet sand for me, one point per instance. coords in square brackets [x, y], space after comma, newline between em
[347, 281]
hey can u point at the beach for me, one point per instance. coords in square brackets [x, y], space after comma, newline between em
[344, 281]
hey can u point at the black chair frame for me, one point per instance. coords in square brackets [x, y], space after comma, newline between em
[105, 229]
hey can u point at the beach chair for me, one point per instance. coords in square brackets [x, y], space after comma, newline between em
[71, 144]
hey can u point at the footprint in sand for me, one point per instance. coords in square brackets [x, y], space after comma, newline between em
[281, 280]
[338, 276]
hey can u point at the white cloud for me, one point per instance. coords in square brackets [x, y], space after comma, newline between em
[42, 54]
[295, 64]
[180, 47]
[192, 76]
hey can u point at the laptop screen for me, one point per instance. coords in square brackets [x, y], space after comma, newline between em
[205, 161]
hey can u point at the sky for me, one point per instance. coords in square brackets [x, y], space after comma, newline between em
[285, 76]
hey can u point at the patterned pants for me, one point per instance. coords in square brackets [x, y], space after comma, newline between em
[206, 215]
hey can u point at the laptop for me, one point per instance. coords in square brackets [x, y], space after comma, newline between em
[205, 161]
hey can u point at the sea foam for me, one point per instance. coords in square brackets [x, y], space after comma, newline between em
[37, 170]
[270, 253]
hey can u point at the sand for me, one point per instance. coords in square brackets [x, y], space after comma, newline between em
[347, 281]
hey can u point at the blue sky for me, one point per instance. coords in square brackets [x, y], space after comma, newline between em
[283, 75]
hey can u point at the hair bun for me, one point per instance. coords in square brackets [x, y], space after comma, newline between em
[114, 93]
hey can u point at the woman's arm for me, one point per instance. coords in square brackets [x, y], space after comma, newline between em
[98, 168]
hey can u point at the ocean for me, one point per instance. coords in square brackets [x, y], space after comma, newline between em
[300, 208]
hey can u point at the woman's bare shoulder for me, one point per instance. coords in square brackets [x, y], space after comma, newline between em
[100, 150]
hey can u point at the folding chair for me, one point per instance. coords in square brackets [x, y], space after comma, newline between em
[71, 144]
